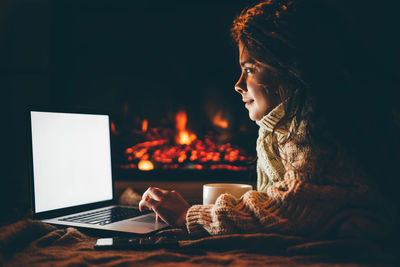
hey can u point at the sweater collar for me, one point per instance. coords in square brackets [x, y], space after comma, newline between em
[269, 121]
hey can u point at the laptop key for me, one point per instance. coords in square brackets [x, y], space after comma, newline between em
[106, 216]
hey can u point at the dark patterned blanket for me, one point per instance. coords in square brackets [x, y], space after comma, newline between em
[33, 243]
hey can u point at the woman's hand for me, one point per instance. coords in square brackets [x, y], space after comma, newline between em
[168, 205]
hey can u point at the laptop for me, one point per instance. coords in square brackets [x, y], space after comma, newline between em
[72, 174]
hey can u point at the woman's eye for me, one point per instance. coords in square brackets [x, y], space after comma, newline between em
[249, 70]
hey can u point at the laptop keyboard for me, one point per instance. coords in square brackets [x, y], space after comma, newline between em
[105, 216]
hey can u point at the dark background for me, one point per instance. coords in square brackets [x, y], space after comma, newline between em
[138, 59]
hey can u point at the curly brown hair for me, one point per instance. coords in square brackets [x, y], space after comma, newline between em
[264, 31]
[320, 63]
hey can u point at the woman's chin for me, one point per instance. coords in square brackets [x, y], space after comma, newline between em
[253, 116]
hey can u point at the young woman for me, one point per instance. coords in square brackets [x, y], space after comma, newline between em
[325, 145]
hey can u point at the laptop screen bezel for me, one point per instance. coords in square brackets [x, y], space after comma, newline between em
[74, 209]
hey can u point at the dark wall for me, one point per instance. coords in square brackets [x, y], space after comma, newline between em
[125, 54]
[142, 57]
[24, 78]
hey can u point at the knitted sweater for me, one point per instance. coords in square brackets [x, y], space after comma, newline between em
[312, 189]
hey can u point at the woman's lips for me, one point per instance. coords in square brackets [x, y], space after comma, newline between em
[248, 102]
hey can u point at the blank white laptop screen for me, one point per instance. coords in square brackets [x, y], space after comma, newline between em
[71, 159]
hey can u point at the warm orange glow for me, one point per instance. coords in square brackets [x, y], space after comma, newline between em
[145, 165]
[198, 167]
[181, 120]
[218, 121]
[140, 153]
[182, 157]
[113, 129]
[184, 137]
[145, 125]
[169, 149]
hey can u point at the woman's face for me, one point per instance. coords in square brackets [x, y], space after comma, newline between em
[259, 99]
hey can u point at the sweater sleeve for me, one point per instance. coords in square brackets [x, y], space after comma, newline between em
[310, 200]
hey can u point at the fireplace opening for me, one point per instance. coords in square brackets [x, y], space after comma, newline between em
[179, 146]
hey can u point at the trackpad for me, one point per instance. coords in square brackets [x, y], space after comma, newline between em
[151, 218]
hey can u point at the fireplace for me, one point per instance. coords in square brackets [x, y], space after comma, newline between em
[178, 147]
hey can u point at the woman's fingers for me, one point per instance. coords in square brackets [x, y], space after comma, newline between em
[148, 203]
[169, 206]
[157, 193]
[152, 200]
[152, 192]
[142, 203]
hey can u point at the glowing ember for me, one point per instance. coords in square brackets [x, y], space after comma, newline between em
[145, 165]
[218, 121]
[185, 138]
[169, 149]
[198, 155]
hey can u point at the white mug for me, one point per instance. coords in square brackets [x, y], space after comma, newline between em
[212, 191]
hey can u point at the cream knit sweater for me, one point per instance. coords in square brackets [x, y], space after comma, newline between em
[312, 190]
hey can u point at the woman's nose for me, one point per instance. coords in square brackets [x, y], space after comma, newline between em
[240, 86]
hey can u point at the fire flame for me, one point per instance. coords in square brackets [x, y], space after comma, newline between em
[113, 129]
[184, 137]
[145, 125]
[145, 165]
[218, 121]
[181, 120]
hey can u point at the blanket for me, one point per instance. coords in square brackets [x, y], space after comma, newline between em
[33, 243]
